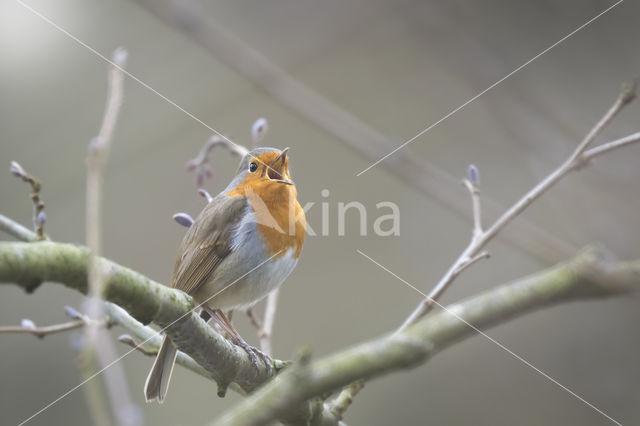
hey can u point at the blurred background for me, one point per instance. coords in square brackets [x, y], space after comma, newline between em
[342, 83]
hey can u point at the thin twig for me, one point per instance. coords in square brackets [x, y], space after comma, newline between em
[39, 216]
[626, 96]
[16, 230]
[470, 261]
[41, 332]
[610, 146]
[78, 321]
[265, 327]
[266, 332]
[474, 191]
[253, 320]
[578, 158]
[200, 163]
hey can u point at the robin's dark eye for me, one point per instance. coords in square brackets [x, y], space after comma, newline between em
[253, 167]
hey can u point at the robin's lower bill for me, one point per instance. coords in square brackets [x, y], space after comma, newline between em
[241, 247]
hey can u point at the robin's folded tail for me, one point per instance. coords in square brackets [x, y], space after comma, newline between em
[155, 388]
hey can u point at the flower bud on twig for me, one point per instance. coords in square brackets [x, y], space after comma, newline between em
[473, 174]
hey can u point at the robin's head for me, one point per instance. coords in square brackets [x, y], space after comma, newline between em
[266, 166]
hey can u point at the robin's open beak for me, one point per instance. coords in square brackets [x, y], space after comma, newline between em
[277, 167]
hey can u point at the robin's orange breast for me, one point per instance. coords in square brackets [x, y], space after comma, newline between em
[280, 218]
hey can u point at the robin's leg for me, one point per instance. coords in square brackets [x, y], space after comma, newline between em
[206, 315]
[252, 351]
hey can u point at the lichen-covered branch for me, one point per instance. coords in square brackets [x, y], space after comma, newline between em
[30, 264]
[589, 275]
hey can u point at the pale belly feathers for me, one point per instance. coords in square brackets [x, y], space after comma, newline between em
[247, 274]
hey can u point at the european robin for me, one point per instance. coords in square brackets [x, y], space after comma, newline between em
[242, 246]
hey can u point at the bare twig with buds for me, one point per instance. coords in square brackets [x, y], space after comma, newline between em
[39, 216]
[27, 326]
[201, 165]
[480, 237]
[258, 131]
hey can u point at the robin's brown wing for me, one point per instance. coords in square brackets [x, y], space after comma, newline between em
[207, 242]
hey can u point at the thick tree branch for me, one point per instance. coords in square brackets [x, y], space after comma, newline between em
[147, 341]
[587, 276]
[30, 264]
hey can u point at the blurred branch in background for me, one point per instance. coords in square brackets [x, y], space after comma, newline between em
[419, 173]
[265, 327]
[98, 351]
